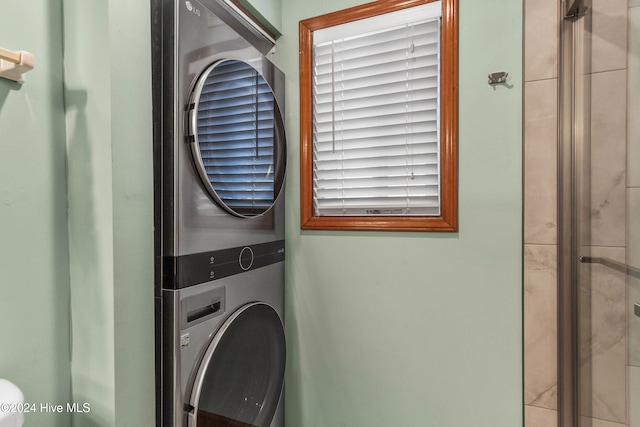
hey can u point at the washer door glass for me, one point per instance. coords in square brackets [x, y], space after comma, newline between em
[240, 379]
[238, 138]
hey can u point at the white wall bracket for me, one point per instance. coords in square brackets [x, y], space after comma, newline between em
[14, 64]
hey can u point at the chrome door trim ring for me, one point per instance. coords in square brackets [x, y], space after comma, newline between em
[191, 131]
[203, 366]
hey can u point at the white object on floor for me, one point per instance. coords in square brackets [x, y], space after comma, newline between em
[11, 400]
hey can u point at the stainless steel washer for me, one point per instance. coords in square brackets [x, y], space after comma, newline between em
[225, 352]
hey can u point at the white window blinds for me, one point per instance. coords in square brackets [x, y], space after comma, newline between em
[376, 116]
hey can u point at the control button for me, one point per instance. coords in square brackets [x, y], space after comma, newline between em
[246, 258]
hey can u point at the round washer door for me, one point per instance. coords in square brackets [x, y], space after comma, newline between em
[238, 142]
[239, 382]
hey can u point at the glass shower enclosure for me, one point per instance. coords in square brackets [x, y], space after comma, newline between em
[599, 214]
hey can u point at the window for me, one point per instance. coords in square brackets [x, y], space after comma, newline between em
[378, 96]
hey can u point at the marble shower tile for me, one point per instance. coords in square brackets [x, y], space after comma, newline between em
[540, 39]
[634, 323]
[540, 164]
[608, 158]
[608, 338]
[634, 396]
[540, 417]
[540, 302]
[609, 40]
[633, 234]
[601, 423]
[633, 100]
[633, 259]
[609, 384]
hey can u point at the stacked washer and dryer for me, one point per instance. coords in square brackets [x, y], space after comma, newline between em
[219, 150]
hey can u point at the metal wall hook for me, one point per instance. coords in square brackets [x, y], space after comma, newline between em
[498, 78]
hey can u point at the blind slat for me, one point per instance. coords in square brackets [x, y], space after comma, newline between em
[391, 90]
[376, 122]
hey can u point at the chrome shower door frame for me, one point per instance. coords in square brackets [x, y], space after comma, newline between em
[573, 221]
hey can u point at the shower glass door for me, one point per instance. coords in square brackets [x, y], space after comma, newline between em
[599, 383]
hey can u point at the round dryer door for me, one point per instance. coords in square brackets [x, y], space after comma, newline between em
[239, 382]
[238, 142]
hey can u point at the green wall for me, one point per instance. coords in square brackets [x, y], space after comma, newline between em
[89, 176]
[133, 260]
[109, 148]
[34, 271]
[76, 212]
[417, 329]
[268, 12]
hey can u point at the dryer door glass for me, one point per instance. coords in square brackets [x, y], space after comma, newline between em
[239, 381]
[238, 140]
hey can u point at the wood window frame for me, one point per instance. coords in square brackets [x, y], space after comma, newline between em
[447, 221]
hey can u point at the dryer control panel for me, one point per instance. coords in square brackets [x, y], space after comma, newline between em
[193, 269]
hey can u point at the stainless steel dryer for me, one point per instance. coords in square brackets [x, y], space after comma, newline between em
[219, 163]
[220, 144]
